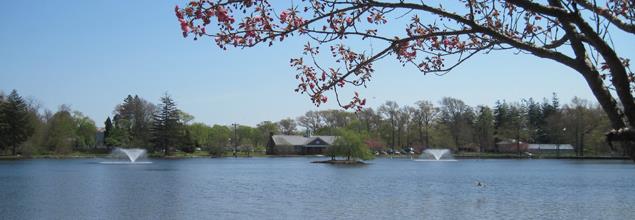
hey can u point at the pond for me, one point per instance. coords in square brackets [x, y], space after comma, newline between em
[294, 188]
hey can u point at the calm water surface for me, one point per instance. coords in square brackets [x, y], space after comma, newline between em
[293, 188]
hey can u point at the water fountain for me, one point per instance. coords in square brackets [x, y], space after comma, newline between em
[436, 155]
[127, 156]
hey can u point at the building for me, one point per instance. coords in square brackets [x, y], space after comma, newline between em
[544, 148]
[511, 146]
[298, 145]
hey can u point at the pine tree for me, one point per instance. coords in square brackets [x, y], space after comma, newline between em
[17, 127]
[166, 128]
[107, 131]
[3, 122]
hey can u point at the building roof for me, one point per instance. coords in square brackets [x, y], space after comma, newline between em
[510, 141]
[550, 147]
[296, 140]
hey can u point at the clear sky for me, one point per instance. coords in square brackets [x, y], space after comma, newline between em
[92, 54]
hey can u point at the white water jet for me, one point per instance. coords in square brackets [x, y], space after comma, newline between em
[436, 155]
[131, 155]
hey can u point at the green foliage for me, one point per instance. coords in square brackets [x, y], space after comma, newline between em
[287, 126]
[390, 125]
[350, 145]
[458, 118]
[166, 128]
[108, 129]
[134, 117]
[219, 136]
[199, 133]
[14, 122]
[264, 130]
[61, 131]
[85, 131]
[118, 137]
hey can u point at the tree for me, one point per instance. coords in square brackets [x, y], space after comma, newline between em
[390, 110]
[166, 128]
[458, 118]
[311, 121]
[583, 119]
[350, 145]
[424, 115]
[85, 131]
[484, 127]
[36, 142]
[61, 131]
[108, 129]
[403, 126]
[535, 121]
[218, 139]
[16, 127]
[517, 124]
[134, 118]
[265, 129]
[287, 126]
[200, 134]
[369, 119]
[574, 33]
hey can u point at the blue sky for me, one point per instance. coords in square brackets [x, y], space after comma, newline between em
[91, 54]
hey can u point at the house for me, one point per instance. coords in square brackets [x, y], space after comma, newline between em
[544, 148]
[298, 145]
[511, 146]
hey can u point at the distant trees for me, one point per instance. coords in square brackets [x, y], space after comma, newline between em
[452, 124]
[456, 125]
[14, 122]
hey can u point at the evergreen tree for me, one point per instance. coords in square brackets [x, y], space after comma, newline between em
[134, 118]
[108, 131]
[166, 127]
[17, 127]
[484, 126]
[3, 122]
[535, 122]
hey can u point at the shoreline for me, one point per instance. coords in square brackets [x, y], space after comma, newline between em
[193, 156]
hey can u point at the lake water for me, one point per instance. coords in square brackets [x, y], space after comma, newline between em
[293, 188]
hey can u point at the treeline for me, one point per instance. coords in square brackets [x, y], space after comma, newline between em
[453, 124]
[27, 129]
[163, 128]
